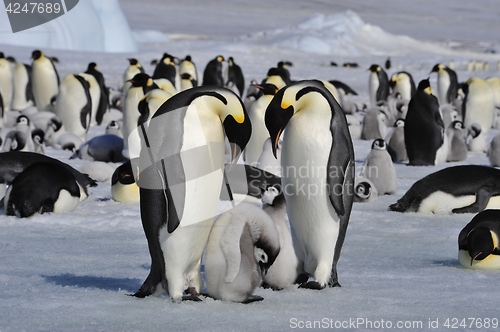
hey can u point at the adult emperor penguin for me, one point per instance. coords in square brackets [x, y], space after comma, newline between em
[141, 85]
[45, 81]
[478, 105]
[424, 128]
[396, 142]
[42, 187]
[402, 82]
[23, 94]
[6, 82]
[133, 69]
[235, 74]
[316, 139]
[458, 149]
[378, 84]
[187, 66]
[123, 186]
[256, 114]
[103, 104]
[458, 189]
[166, 68]
[478, 242]
[378, 168]
[283, 272]
[212, 75]
[243, 244]
[447, 85]
[74, 105]
[179, 172]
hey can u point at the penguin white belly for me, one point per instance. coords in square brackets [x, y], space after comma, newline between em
[492, 262]
[6, 84]
[260, 133]
[125, 193]
[200, 202]
[44, 85]
[314, 231]
[65, 202]
[442, 152]
[69, 104]
[130, 116]
[440, 202]
[480, 106]
[20, 81]
[443, 85]
[373, 85]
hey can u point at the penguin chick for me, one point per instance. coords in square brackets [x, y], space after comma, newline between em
[243, 244]
[458, 148]
[283, 272]
[364, 191]
[476, 138]
[396, 142]
[494, 151]
[478, 246]
[379, 168]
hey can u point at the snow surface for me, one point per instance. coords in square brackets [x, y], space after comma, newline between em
[73, 271]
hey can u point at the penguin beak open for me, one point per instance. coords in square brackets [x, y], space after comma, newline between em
[238, 134]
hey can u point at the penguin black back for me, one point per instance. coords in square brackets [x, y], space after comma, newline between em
[104, 100]
[166, 68]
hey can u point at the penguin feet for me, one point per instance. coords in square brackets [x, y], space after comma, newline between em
[253, 298]
[266, 286]
[301, 279]
[312, 285]
[334, 284]
[192, 295]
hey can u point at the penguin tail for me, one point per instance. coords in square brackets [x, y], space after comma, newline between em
[402, 205]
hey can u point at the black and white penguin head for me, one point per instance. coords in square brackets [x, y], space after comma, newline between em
[379, 144]
[400, 123]
[220, 58]
[437, 68]
[425, 86]
[457, 125]
[168, 59]
[272, 195]
[92, 66]
[141, 80]
[267, 89]
[363, 190]
[474, 130]
[266, 251]
[123, 174]
[113, 125]
[133, 62]
[284, 64]
[375, 68]
[54, 123]
[37, 54]
[38, 136]
[23, 120]
[480, 244]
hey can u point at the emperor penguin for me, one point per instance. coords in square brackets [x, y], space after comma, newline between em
[374, 124]
[74, 105]
[457, 189]
[235, 74]
[458, 149]
[447, 84]
[478, 242]
[123, 186]
[242, 246]
[365, 191]
[378, 84]
[256, 114]
[494, 83]
[150, 103]
[187, 66]
[103, 104]
[396, 142]
[402, 82]
[133, 69]
[45, 81]
[187, 81]
[141, 85]
[114, 128]
[282, 68]
[19, 138]
[475, 138]
[283, 272]
[180, 173]
[494, 151]
[105, 148]
[212, 75]
[424, 128]
[42, 187]
[276, 77]
[53, 130]
[267, 161]
[95, 94]
[38, 136]
[478, 105]
[6, 82]
[379, 169]
[167, 69]
[317, 139]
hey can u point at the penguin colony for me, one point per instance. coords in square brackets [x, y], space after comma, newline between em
[276, 124]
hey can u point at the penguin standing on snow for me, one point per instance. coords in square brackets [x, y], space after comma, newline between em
[447, 85]
[133, 69]
[494, 151]
[374, 124]
[478, 242]
[378, 168]
[396, 142]
[424, 128]
[6, 82]
[74, 105]
[104, 95]
[378, 84]
[42, 187]
[316, 138]
[212, 75]
[283, 272]
[23, 94]
[166, 68]
[45, 81]
[235, 74]
[242, 246]
[402, 83]
[180, 175]
[458, 149]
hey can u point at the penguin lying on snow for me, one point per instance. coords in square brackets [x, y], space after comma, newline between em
[123, 186]
[478, 242]
[242, 246]
[42, 187]
[458, 189]
[106, 148]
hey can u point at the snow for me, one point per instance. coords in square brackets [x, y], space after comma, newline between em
[73, 271]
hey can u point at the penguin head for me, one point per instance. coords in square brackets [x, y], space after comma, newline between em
[113, 125]
[37, 54]
[168, 59]
[480, 244]
[92, 67]
[379, 144]
[54, 123]
[437, 68]
[272, 195]
[220, 58]
[363, 190]
[23, 120]
[284, 64]
[474, 130]
[141, 80]
[266, 250]
[457, 125]
[399, 123]
[38, 136]
[133, 62]
[267, 89]
[375, 68]
[187, 58]
[123, 174]
[230, 61]
[425, 86]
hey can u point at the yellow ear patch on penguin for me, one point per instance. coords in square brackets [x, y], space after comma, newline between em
[150, 82]
[428, 90]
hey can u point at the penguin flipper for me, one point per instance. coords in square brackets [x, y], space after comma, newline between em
[230, 244]
[482, 198]
[253, 298]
